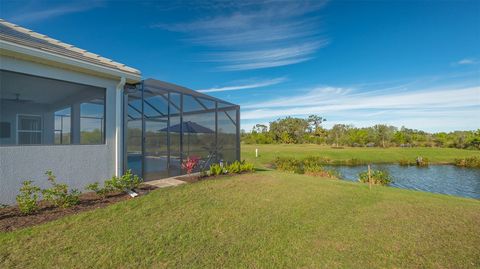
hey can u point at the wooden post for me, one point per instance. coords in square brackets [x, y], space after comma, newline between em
[256, 153]
[369, 178]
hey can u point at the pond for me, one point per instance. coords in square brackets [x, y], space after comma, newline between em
[446, 179]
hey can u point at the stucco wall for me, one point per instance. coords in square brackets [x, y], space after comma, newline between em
[76, 165]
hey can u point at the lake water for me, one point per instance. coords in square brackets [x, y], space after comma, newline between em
[446, 179]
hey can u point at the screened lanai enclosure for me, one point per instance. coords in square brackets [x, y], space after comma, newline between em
[165, 124]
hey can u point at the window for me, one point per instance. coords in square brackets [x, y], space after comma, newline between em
[38, 110]
[62, 126]
[29, 129]
[91, 122]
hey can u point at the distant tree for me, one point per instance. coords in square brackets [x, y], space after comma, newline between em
[473, 140]
[358, 136]
[260, 128]
[289, 130]
[315, 123]
[338, 133]
[383, 133]
[296, 130]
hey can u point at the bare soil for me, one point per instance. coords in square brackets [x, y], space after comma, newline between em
[12, 219]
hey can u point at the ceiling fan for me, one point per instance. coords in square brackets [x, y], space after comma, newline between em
[17, 99]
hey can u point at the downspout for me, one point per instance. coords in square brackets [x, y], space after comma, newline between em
[119, 127]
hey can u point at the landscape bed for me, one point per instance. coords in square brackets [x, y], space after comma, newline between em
[109, 192]
[12, 219]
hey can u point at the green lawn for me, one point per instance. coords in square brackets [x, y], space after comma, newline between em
[267, 153]
[263, 220]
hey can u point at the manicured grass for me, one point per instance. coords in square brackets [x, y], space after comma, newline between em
[263, 220]
[267, 153]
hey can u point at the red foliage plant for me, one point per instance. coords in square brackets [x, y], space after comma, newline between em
[190, 163]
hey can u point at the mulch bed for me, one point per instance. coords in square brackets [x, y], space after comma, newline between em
[196, 178]
[12, 219]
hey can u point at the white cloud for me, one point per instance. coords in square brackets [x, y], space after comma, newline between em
[467, 61]
[418, 104]
[261, 34]
[259, 84]
[42, 13]
[320, 103]
[257, 59]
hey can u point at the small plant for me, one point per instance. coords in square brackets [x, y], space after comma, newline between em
[216, 169]
[468, 162]
[59, 195]
[234, 168]
[100, 191]
[190, 164]
[240, 167]
[422, 162]
[377, 177]
[127, 181]
[27, 200]
[247, 167]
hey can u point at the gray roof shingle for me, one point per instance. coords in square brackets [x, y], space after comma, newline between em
[15, 34]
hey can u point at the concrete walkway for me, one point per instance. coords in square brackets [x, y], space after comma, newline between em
[168, 182]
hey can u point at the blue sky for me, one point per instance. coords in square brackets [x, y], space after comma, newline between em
[411, 63]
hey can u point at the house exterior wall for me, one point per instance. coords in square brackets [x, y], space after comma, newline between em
[76, 165]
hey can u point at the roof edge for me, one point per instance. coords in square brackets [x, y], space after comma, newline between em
[36, 53]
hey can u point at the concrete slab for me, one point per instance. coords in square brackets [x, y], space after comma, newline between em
[166, 182]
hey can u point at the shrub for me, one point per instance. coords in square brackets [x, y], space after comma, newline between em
[239, 167]
[310, 165]
[314, 160]
[127, 181]
[100, 191]
[27, 200]
[315, 169]
[288, 164]
[422, 162]
[59, 195]
[378, 177]
[468, 162]
[216, 169]
[190, 163]
[234, 168]
[247, 167]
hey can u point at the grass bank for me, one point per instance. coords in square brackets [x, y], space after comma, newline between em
[263, 220]
[368, 155]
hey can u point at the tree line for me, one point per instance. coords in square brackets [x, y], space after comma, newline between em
[292, 130]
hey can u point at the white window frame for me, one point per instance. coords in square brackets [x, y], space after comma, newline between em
[29, 131]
